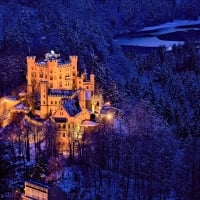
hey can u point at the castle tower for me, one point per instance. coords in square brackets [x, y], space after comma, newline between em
[43, 99]
[92, 82]
[51, 65]
[81, 97]
[74, 60]
[30, 65]
[84, 75]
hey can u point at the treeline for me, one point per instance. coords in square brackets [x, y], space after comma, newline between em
[146, 161]
[170, 81]
[26, 152]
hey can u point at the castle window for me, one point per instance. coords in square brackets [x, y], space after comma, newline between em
[51, 85]
[73, 74]
[64, 126]
[51, 102]
[43, 102]
[68, 126]
[51, 71]
[60, 77]
[41, 75]
[44, 96]
[87, 87]
[51, 78]
[63, 134]
[45, 76]
[56, 102]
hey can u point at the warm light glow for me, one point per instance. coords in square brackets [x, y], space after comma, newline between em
[109, 116]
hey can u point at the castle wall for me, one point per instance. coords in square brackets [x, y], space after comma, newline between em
[43, 99]
[53, 103]
[59, 76]
[71, 130]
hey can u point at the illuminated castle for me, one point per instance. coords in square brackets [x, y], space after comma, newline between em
[61, 93]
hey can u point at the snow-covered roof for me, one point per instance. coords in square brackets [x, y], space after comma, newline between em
[22, 94]
[71, 106]
[21, 106]
[88, 95]
[38, 183]
[61, 92]
[89, 123]
[11, 98]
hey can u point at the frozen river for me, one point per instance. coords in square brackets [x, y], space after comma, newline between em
[166, 34]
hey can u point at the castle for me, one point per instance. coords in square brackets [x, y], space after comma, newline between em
[61, 92]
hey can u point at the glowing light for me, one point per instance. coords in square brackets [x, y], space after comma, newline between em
[109, 116]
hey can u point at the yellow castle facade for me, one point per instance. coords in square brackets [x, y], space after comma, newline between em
[63, 93]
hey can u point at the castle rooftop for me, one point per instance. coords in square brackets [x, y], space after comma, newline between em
[61, 92]
[71, 106]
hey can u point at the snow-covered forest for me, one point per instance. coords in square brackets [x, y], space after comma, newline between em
[157, 155]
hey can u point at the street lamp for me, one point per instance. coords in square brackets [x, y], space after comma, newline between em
[115, 114]
[109, 116]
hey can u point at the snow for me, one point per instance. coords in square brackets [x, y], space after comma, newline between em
[22, 107]
[153, 41]
[147, 42]
[172, 24]
[67, 183]
[89, 123]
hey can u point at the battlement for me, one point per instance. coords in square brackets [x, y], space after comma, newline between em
[40, 64]
[64, 65]
[73, 57]
[52, 61]
[31, 57]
